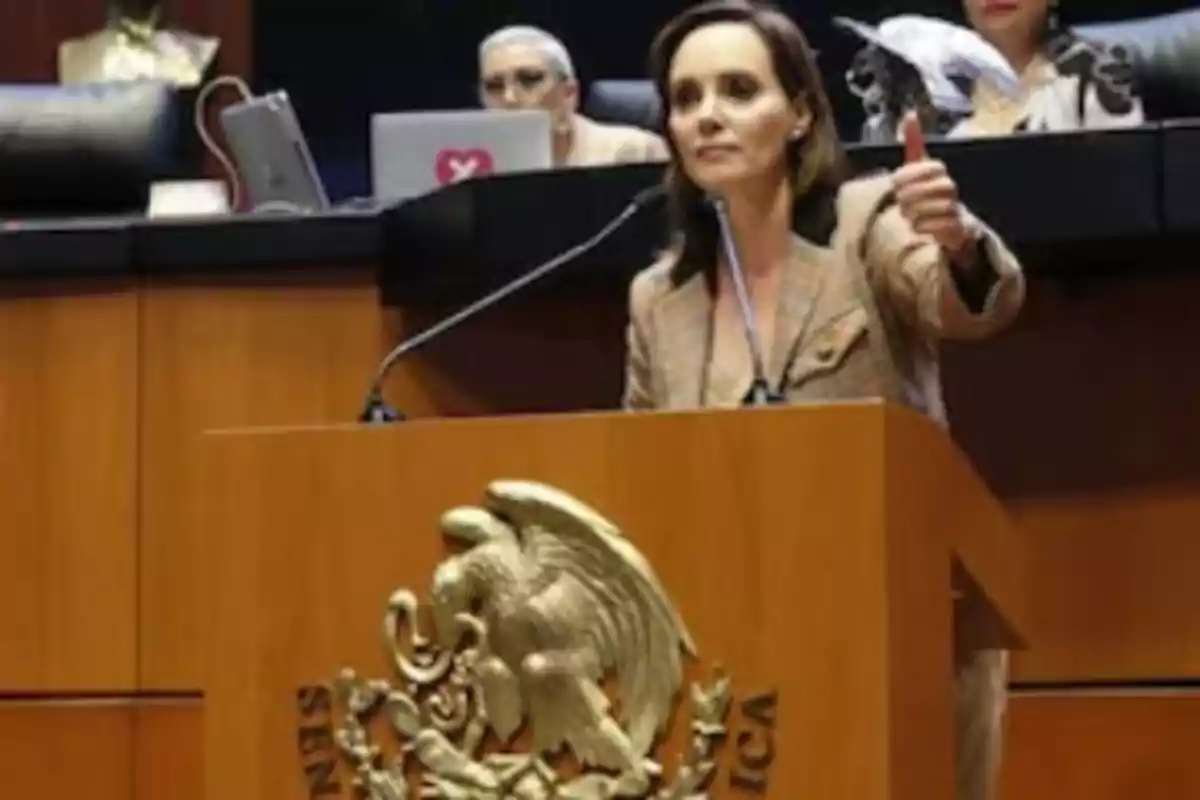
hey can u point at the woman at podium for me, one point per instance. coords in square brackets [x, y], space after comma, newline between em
[789, 282]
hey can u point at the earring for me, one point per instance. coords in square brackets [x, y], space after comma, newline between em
[1052, 17]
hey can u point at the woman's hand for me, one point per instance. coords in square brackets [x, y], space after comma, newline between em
[928, 196]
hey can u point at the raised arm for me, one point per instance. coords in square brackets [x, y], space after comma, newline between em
[941, 268]
[970, 294]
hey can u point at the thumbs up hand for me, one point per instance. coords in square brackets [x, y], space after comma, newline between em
[927, 195]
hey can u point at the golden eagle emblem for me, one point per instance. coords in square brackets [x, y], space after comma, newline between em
[548, 600]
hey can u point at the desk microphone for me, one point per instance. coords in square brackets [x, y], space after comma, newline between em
[760, 393]
[376, 408]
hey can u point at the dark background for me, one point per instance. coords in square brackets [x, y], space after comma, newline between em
[342, 62]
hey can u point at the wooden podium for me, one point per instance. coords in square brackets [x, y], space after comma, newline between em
[810, 552]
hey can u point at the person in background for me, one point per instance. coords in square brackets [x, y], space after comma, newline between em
[525, 67]
[1069, 83]
[853, 282]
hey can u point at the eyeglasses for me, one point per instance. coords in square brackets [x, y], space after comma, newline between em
[523, 80]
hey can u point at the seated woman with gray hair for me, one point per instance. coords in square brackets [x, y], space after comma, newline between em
[523, 67]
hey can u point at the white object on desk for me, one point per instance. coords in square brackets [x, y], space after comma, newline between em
[187, 199]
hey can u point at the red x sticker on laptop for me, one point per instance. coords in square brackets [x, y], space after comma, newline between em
[454, 164]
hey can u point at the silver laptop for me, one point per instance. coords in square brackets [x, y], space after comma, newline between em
[413, 153]
[272, 156]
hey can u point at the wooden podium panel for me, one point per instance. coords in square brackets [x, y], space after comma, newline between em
[772, 531]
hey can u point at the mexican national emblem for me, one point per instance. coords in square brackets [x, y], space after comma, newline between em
[547, 601]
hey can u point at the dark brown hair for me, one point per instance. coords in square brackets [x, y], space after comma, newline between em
[817, 161]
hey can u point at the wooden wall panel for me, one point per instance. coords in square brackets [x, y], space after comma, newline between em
[32, 31]
[68, 482]
[168, 745]
[267, 350]
[536, 354]
[1115, 583]
[114, 749]
[60, 749]
[1086, 418]
[1131, 746]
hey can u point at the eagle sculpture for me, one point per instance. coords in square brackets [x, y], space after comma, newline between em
[564, 600]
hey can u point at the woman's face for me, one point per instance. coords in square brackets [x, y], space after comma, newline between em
[728, 116]
[519, 77]
[1008, 23]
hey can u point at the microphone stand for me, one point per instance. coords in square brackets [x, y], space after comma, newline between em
[376, 408]
[760, 393]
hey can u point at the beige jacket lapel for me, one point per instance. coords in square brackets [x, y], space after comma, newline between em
[682, 317]
[801, 291]
[681, 321]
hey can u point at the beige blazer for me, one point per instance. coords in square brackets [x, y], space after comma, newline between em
[600, 145]
[858, 318]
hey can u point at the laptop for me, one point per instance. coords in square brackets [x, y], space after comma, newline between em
[414, 153]
[271, 155]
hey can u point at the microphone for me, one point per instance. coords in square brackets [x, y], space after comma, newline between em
[760, 393]
[376, 408]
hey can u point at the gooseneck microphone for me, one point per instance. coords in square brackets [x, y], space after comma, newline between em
[376, 408]
[760, 392]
